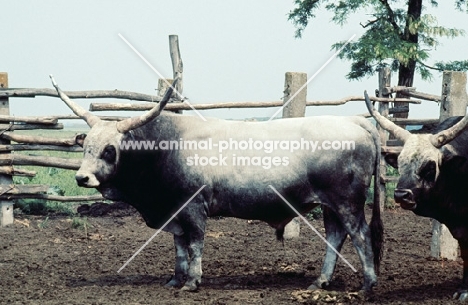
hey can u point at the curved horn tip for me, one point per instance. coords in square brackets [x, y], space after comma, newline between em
[135, 122]
[369, 105]
[53, 80]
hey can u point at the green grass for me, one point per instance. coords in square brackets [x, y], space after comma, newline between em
[390, 188]
[44, 224]
[80, 223]
[61, 181]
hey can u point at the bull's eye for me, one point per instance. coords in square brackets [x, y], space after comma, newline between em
[428, 171]
[109, 154]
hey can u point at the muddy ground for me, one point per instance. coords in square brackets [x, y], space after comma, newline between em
[47, 261]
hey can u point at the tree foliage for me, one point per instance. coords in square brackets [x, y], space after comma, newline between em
[398, 34]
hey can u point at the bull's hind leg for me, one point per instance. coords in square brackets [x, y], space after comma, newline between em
[181, 261]
[335, 235]
[355, 224]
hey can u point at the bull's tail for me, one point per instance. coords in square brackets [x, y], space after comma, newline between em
[376, 225]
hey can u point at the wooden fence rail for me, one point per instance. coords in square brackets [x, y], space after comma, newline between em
[118, 94]
[22, 142]
[186, 106]
[9, 124]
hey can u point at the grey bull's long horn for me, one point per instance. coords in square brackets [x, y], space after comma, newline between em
[398, 132]
[91, 119]
[447, 135]
[135, 122]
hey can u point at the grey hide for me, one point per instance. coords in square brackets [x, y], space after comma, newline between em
[158, 182]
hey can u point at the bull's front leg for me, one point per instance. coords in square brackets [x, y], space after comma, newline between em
[462, 293]
[181, 261]
[193, 220]
[194, 273]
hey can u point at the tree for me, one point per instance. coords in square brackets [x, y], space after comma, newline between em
[398, 35]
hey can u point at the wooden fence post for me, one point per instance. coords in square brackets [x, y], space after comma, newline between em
[6, 206]
[385, 75]
[294, 107]
[454, 97]
[177, 65]
[177, 68]
[163, 85]
[454, 100]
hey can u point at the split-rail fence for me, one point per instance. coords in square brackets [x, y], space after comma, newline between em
[452, 102]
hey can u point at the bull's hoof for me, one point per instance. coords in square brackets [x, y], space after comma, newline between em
[320, 283]
[313, 287]
[192, 287]
[365, 294]
[368, 290]
[461, 295]
[174, 283]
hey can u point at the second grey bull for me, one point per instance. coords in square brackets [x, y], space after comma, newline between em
[158, 182]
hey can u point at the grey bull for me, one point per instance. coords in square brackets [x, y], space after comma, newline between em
[157, 182]
[434, 177]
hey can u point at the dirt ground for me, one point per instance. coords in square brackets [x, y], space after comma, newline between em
[47, 261]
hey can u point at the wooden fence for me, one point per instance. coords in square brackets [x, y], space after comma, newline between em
[10, 142]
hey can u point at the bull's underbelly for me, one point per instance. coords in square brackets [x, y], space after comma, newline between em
[260, 201]
[274, 213]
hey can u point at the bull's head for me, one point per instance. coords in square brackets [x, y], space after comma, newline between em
[101, 144]
[420, 160]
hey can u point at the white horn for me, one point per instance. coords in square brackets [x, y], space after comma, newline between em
[398, 132]
[91, 119]
[135, 122]
[445, 136]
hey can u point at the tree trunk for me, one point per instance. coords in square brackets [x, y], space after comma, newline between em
[406, 73]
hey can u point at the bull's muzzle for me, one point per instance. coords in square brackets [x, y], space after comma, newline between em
[82, 180]
[405, 198]
[86, 180]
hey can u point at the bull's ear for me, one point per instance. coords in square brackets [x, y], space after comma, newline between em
[392, 159]
[79, 139]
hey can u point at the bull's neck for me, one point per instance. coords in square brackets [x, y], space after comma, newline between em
[142, 168]
[164, 127]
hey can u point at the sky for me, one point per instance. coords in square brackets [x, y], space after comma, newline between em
[231, 50]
